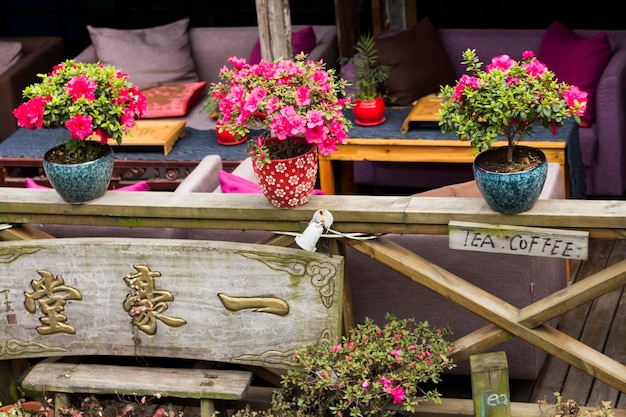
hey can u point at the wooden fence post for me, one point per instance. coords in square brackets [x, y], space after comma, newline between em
[490, 385]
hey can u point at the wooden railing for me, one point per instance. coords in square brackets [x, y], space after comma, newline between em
[375, 215]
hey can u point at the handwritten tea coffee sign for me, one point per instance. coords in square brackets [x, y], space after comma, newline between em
[518, 240]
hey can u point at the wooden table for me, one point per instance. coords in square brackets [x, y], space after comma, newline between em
[21, 156]
[420, 144]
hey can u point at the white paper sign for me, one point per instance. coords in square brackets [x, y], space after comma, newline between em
[518, 240]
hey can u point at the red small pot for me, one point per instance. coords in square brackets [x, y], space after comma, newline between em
[224, 137]
[369, 112]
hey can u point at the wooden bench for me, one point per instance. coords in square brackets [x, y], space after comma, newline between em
[240, 304]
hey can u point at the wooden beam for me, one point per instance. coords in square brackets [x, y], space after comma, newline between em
[274, 20]
[348, 28]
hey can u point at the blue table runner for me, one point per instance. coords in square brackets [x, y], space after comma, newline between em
[198, 143]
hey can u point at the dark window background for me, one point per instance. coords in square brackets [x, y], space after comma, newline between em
[68, 18]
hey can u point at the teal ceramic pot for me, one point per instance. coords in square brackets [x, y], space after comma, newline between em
[510, 193]
[80, 183]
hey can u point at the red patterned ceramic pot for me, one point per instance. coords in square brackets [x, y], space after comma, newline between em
[288, 183]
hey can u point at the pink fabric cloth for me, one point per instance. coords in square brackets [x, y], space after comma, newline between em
[140, 186]
[231, 183]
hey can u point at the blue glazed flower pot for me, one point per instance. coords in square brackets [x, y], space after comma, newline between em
[514, 192]
[80, 183]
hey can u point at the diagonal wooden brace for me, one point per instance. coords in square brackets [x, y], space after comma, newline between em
[509, 321]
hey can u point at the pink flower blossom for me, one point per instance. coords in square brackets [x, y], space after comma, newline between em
[398, 394]
[574, 96]
[465, 80]
[81, 86]
[30, 115]
[535, 68]
[303, 96]
[80, 126]
[502, 62]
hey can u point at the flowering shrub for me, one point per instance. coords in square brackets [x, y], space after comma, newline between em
[508, 98]
[283, 99]
[375, 371]
[86, 98]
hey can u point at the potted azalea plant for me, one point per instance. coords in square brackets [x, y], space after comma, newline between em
[508, 99]
[375, 371]
[92, 104]
[369, 77]
[295, 109]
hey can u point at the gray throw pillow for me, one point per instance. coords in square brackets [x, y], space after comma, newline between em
[10, 53]
[153, 56]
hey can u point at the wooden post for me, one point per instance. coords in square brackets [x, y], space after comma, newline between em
[274, 20]
[348, 27]
[490, 385]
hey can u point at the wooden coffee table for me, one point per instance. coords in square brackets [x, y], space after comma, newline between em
[430, 145]
[164, 166]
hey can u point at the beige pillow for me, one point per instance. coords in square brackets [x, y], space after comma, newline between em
[151, 57]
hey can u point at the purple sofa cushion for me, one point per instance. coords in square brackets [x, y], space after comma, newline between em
[304, 40]
[419, 63]
[576, 60]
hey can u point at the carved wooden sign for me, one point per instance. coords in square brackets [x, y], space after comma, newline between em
[518, 240]
[158, 297]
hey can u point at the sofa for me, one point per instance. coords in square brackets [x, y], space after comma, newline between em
[436, 53]
[176, 55]
[21, 59]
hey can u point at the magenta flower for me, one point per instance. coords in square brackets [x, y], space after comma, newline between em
[398, 394]
[574, 96]
[80, 126]
[502, 62]
[507, 98]
[86, 99]
[296, 97]
[30, 115]
[303, 96]
[465, 80]
[81, 86]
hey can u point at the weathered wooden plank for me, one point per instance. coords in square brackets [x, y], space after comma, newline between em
[353, 213]
[136, 380]
[615, 342]
[221, 301]
[459, 407]
[555, 371]
[490, 385]
[518, 240]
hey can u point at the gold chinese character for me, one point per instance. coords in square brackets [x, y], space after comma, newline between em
[146, 304]
[51, 293]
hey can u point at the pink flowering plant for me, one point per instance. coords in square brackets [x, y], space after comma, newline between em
[282, 99]
[375, 371]
[508, 98]
[87, 99]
